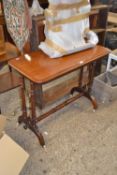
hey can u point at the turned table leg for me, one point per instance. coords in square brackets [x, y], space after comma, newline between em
[23, 117]
[29, 121]
[32, 123]
[91, 70]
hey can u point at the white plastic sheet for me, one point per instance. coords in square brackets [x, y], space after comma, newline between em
[66, 27]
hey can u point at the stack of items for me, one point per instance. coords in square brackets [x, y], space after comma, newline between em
[67, 28]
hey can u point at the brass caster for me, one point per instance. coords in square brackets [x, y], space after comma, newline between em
[94, 110]
[45, 148]
[46, 133]
[17, 125]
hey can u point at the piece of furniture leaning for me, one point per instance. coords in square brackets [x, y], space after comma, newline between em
[112, 22]
[9, 81]
[37, 34]
[98, 21]
[41, 70]
[10, 52]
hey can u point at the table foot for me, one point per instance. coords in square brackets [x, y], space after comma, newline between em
[92, 99]
[86, 94]
[21, 119]
[33, 127]
[35, 130]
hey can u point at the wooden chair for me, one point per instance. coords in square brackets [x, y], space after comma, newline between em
[9, 81]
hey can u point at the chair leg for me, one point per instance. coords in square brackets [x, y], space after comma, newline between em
[0, 110]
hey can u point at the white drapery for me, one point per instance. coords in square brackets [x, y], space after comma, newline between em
[67, 28]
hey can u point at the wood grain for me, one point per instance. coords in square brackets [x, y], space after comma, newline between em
[42, 69]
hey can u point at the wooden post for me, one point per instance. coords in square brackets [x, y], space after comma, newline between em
[2, 41]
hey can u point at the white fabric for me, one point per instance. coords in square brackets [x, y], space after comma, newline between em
[71, 36]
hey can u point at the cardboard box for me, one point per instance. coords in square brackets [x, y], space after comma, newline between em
[12, 156]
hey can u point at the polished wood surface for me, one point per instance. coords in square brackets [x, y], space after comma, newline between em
[11, 52]
[42, 69]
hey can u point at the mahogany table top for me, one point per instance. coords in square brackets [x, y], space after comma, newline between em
[42, 69]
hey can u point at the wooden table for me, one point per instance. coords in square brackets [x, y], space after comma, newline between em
[42, 69]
